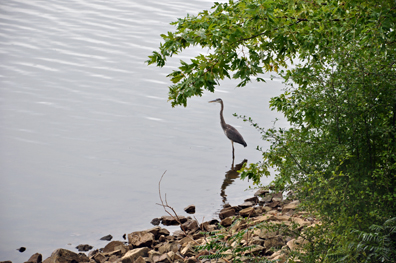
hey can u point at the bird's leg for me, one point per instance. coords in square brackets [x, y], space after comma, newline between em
[233, 155]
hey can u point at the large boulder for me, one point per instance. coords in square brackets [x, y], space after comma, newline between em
[141, 239]
[132, 255]
[66, 256]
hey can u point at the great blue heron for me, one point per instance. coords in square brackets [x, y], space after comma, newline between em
[229, 131]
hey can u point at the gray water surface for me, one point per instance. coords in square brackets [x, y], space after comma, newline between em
[86, 130]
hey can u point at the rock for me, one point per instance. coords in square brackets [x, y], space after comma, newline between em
[21, 249]
[279, 256]
[226, 222]
[260, 219]
[299, 221]
[291, 206]
[190, 226]
[140, 260]
[100, 258]
[161, 259]
[247, 204]
[191, 260]
[184, 241]
[257, 249]
[190, 209]
[141, 239]
[261, 192]
[266, 208]
[110, 247]
[65, 256]
[84, 247]
[275, 242]
[164, 232]
[280, 218]
[247, 212]
[172, 221]
[132, 255]
[188, 250]
[7, 261]
[178, 234]
[106, 238]
[206, 226]
[156, 221]
[253, 199]
[278, 197]
[36, 258]
[226, 212]
[266, 234]
[155, 231]
[273, 204]
[267, 198]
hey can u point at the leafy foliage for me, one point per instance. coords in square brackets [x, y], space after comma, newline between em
[338, 59]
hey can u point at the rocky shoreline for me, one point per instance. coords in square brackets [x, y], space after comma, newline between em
[257, 227]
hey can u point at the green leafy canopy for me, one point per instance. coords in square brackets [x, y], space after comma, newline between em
[338, 60]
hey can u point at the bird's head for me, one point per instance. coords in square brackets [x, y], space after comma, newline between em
[216, 100]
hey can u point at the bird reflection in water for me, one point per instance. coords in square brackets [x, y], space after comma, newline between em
[230, 176]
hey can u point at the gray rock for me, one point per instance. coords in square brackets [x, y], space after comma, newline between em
[84, 247]
[190, 209]
[156, 221]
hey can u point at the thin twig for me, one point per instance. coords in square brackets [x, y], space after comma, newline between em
[165, 206]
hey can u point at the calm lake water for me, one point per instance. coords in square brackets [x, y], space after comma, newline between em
[86, 130]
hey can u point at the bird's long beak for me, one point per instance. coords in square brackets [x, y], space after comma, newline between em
[212, 101]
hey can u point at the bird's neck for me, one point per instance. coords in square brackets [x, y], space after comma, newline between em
[222, 121]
